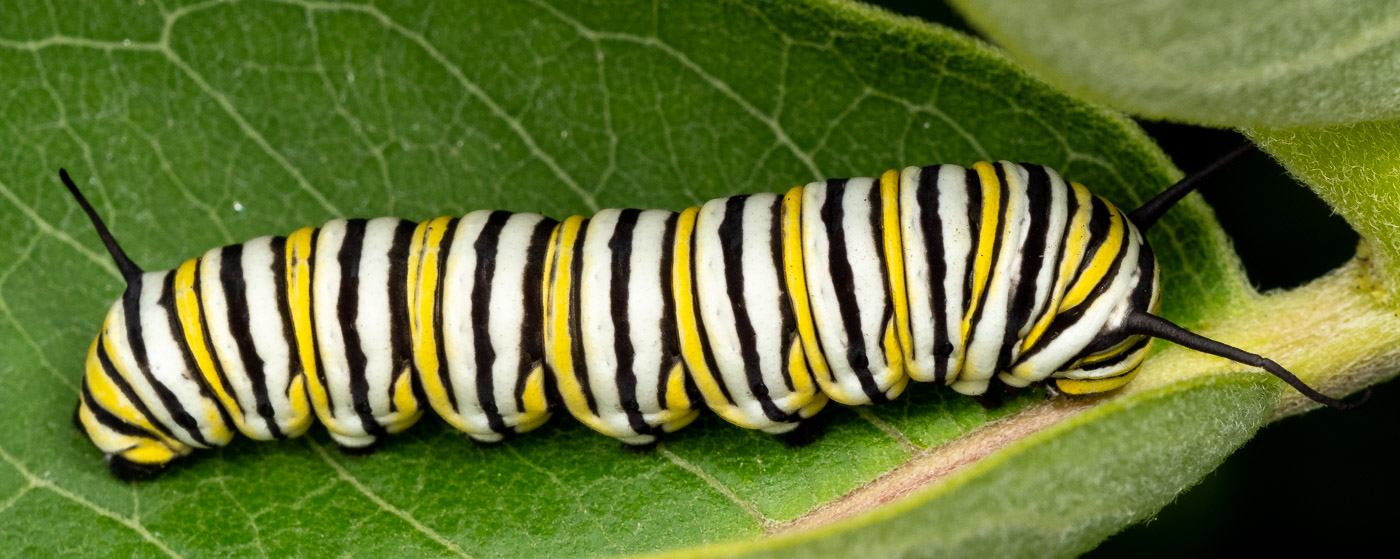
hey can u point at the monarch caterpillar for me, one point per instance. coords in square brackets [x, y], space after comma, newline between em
[759, 307]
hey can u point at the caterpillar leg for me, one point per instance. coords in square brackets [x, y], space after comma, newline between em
[990, 400]
[808, 431]
[641, 448]
[366, 450]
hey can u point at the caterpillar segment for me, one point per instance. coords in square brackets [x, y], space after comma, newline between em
[759, 307]
[612, 336]
[476, 298]
[753, 371]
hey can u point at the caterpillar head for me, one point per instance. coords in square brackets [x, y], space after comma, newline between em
[114, 418]
[1108, 273]
[138, 389]
[1116, 354]
[1118, 349]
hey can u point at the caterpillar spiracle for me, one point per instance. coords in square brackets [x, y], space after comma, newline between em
[759, 307]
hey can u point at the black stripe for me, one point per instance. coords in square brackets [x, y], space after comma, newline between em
[439, 336]
[110, 420]
[1071, 208]
[620, 247]
[931, 224]
[1067, 319]
[731, 241]
[486, 246]
[833, 214]
[670, 333]
[575, 329]
[1146, 284]
[284, 310]
[974, 228]
[198, 286]
[998, 239]
[311, 316]
[787, 327]
[400, 333]
[177, 331]
[700, 333]
[1137, 345]
[1024, 292]
[1100, 220]
[347, 309]
[131, 302]
[877, 228]
[125, 388]
[532, 285]
[240, 325]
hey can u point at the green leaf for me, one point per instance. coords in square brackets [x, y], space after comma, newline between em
[1239, 63]
[211, 123]
[1314, 83]
[1356, 169]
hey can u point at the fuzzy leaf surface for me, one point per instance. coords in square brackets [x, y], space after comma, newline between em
[1233, 64]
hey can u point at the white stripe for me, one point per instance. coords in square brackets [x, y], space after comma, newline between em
[343, 424]
[1054, 234]
[717, 313]
[457, 281]
[916, 275]
[167, 363]
[223, 344]
[373, 322]
[596, 328]
[507, 313]
[765, 300]
[269, 340]
[644, 311]
[958, 240]
[989, 330]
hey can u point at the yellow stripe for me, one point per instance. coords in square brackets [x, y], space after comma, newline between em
[107, 440]
[1100, 265]
[299, 302]
[560, 341]
[408, 410]
[680, 411]
[423, 285]
[814, 406]
[124, 408]
[1069, 262]
[802, 385]
[687, 322]
[982, 264]
[187, 311]
[1116, 350]
[797, 292]
[107, 395]
[895, 363]
[187, 308]
[150, 453]
[1094, 386]
[144, 450]
[536, 406]
[301, 408]
[894, 255]
[676, 398]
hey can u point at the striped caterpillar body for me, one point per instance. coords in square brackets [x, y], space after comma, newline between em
[759, 307]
